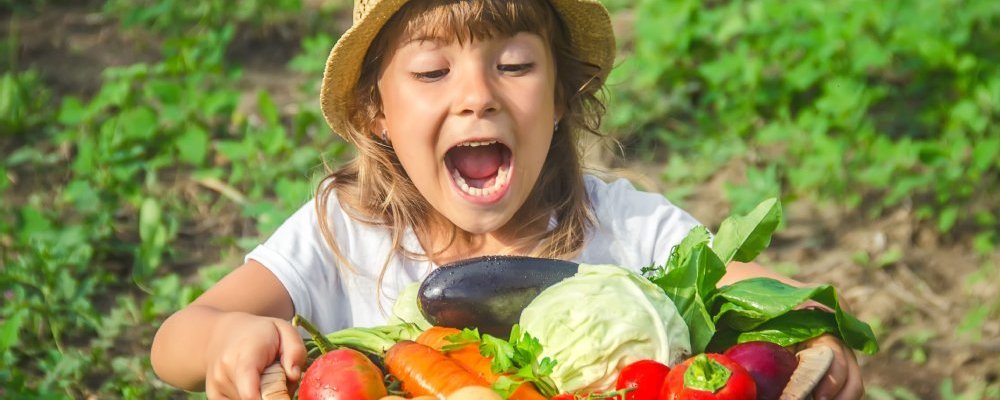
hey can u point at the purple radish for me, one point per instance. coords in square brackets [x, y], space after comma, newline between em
[769, 364]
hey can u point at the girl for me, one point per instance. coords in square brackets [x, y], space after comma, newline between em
[465, 117]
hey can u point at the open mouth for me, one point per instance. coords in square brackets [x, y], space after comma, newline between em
[480, 169]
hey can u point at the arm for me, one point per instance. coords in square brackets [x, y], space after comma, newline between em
[229, 335]
[738, 271]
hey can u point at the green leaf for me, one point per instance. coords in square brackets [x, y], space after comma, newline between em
[85, 198]
[71, 112]
[268, 110]
[689, 279]
[518, 356]
[786, 330]
[193, 145]
[10, 330]
[138, 123]
[947, 218]
[743, 238]
[153, 235]
[746, 305]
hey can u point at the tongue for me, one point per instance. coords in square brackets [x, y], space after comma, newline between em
[476, 162]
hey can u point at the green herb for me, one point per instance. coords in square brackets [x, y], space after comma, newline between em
[517, 358]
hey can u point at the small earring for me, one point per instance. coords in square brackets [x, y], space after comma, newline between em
[555, 125]
[385, 136]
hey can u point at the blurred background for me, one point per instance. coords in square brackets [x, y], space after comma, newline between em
[147, 145]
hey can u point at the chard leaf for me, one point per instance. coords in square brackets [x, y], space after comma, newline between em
[743, 238]
[689, 280]
[766, 305]
[785, 330]
[752, 309]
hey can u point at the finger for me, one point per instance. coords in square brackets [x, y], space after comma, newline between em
[836, 376]
[854, 387]
[247, 378]
[218, 386]
[293, 351]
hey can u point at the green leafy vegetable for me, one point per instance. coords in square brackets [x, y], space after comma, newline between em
[689, 280]
[743, 238]
[752, 309]
[624, 318]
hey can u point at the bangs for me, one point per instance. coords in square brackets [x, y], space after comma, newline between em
[448, 20]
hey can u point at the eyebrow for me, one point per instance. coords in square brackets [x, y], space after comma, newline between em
[436, 39]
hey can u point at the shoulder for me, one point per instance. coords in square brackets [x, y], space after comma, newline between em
[619, 192]
[634, 228]
[620, 199]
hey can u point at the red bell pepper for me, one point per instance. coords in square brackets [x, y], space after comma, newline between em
[709, 377]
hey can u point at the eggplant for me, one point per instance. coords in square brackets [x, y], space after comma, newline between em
[488, 293]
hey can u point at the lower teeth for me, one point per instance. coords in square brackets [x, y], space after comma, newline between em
[499, 181]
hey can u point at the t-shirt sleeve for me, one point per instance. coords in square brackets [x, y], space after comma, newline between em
[298, 256]
[637, 228]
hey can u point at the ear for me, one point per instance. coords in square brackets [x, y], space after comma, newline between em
[378, 126]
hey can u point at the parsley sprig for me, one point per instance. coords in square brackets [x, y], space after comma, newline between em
[519, 359]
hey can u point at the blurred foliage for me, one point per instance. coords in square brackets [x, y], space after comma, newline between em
[872, 104]
[108, 198]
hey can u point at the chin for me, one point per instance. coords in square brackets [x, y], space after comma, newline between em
[480, 226]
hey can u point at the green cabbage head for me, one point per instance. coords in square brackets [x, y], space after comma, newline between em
[600, 320]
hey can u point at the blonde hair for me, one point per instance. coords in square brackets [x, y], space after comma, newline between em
[374, 189]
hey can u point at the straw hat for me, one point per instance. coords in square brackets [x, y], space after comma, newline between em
[587, 21]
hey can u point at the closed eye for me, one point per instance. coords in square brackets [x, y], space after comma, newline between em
[430, 76]
[516, 69]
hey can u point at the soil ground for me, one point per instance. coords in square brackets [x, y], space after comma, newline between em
[919, 298]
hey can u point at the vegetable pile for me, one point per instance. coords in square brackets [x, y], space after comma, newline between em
[665, 333]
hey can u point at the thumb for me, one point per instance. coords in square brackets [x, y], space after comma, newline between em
[292, 351]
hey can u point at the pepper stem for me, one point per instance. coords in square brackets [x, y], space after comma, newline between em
[706, 374]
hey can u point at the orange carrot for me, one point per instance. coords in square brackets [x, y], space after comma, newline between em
[468, 357]
[425, 371]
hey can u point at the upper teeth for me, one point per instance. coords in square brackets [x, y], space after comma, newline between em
[474, 144]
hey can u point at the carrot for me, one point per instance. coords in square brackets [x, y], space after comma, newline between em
[468, 357]
[425, 371]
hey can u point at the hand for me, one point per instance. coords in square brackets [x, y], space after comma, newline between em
[843, 379]
[242, 346]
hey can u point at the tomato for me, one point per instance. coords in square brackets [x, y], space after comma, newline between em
[646, 376]
[564, 396]
[709, 377]
[342, 374]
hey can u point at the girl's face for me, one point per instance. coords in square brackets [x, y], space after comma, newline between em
[471, 122]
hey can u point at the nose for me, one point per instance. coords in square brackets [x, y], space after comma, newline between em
[476, 93]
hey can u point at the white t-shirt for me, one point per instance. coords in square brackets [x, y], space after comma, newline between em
[634, 229]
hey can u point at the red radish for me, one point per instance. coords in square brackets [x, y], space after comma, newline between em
[646, 376]
[342, 374]
[769, 364]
